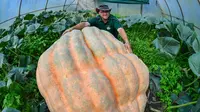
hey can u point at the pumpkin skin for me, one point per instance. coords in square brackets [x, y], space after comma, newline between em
[91, 71]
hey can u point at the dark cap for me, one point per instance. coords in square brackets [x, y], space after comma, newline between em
[103, 8]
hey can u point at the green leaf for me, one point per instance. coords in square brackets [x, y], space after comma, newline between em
[184, 98]
[63, 22]
[194, 63]
[167, 45]
[170, 26]
[58, 28]
[16, 42]
[2, 59]
[29, 16]
[9, 82]
[196, 44]
[18, 74]
[16, 23]
[2, 84]
[5, 39]
[24, 61]
[150, 20]
[197, 107]
[174, 97]
[20, 30]
[12, 99]
[2, 32]
[160, 26]
[132, 20]
[32, 28]
[42, 107]
[9, 109]
[77, 19]
[155, 83]
[69, 22]
[186, 34]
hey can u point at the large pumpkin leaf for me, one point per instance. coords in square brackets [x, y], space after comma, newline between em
[160, 26]
[196, 44]
[15, 42]
[59, 26]
[24, 60]
[8, 109]
[155, 83]
[184, 98]
[2, 59]
[2, 32]
[186, 34]
[132, 20]
[9, 82]
[167, 45]
[41, 107]
[20, 30]
[150, 20]
[32, 28]
[77, 19]
[4, 41]
[2, 84]
[69, 22]
[194, 63]
[18, 74]
[170, 26]
[29, 16]
[197, 107]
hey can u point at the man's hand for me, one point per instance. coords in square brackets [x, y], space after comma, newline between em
[68, 30]
[78, 27]
[128, 47]
[125, 38]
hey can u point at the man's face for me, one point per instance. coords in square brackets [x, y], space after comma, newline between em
[104, 14]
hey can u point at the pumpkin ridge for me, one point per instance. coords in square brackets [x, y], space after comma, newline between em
[83, 77]
[105, 42]
[119, 45]
[62, 73]
[108, 40]
[54, 77]
[79, 68]
[133, 75]
[97, 65]
[110, 78]
[120, 69]
[51, 84]
[76, 66]
[138, 64]
[93, 43]
[44, 91]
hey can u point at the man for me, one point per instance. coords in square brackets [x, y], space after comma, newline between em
[105, 21]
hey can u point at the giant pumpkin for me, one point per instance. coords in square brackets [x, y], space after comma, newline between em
[91, 71]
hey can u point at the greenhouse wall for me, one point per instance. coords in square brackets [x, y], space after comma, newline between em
[9, 10]
[185, 11]
[188, 11]
[134, 9]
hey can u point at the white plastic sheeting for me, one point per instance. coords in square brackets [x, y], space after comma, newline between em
[187, 11]
[86, 4]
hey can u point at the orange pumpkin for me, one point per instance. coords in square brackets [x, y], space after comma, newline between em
[91, 71]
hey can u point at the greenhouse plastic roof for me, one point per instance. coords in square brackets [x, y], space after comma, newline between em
[186, 11]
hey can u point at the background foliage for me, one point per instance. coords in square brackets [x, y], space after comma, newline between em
[169, 49]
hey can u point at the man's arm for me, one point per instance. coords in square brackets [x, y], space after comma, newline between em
[123, 34]
[78, 27]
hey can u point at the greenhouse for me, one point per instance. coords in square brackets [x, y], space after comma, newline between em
[100, 55]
